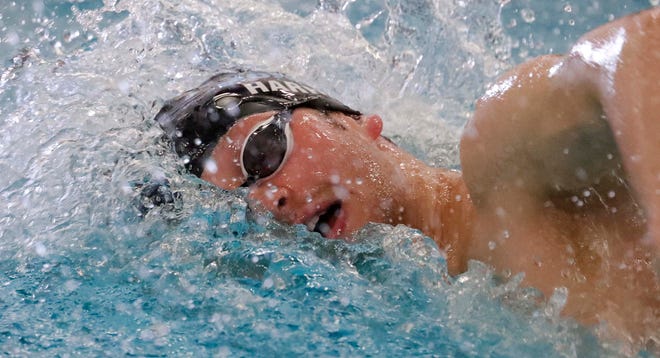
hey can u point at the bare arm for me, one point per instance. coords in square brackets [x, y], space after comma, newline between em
[629, 90]
[559, 124]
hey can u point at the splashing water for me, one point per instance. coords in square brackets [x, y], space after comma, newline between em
[90, 266]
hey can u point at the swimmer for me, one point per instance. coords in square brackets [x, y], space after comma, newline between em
[560, 170]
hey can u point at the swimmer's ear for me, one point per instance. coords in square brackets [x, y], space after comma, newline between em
[372, 125]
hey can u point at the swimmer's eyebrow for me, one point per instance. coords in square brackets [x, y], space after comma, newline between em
[336, 123]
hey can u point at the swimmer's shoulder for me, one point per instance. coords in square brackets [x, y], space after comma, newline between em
[513, 130]
[638, 27]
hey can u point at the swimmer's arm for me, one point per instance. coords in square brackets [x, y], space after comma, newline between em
[513, 144]
[519, 138]
[630, 96]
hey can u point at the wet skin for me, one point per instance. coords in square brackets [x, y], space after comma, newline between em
[561, 159]
[561, 178]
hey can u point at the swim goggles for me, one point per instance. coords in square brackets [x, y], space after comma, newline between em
[267, 147]
[268, 143]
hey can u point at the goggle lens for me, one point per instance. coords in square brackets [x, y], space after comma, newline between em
[266, 147]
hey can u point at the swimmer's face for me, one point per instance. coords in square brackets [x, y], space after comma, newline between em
[333, 180]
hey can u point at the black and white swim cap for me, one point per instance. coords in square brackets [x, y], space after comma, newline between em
[198, 118]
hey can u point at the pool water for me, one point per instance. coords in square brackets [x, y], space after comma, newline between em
[90, 267]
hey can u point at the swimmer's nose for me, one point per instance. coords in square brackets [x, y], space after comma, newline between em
[272, 198]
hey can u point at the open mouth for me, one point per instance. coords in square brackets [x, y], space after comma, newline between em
[325, 221]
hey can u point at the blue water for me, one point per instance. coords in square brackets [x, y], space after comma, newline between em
[88, 268]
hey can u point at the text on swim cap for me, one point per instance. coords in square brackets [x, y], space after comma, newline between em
[283, 86]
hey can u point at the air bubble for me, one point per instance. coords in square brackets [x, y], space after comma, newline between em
[528, 15]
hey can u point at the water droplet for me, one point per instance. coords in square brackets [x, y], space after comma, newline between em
[40, 249]
[538, 262]
[528, 15]
[492, 245]
[210, 166]
[340, 192]
[568, 8]
[334, 179]
[268, 283]
[581, 174]
[58, 48]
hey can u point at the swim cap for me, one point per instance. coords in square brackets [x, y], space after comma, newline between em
[197, 119]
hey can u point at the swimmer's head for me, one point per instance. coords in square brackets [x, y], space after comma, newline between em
[198, 118]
